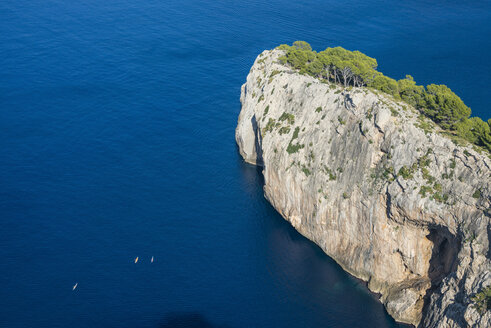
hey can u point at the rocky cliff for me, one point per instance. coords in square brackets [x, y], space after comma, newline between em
[378, 187]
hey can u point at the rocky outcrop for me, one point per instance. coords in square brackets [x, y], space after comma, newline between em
[378, 187]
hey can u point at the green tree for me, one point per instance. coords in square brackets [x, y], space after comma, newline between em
[354, 68]
[302, 45]
[298, 55]
[410, 92]
[465, 129]
[482, 132]
[385, 84]
[444, 106]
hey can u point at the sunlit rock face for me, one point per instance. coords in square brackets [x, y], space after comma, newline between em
[402, 208]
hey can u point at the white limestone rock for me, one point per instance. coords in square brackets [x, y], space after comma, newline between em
[331, 159]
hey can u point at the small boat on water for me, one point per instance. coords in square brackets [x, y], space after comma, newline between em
[136, 260]
[76, 284]
[151, 261]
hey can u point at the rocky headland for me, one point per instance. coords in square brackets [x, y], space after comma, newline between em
[391, 199]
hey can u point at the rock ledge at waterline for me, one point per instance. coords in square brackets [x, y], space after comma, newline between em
[406, 210]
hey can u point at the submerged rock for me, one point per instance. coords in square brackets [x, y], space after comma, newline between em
[402, 208]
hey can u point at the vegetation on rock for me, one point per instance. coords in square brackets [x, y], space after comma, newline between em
[353, 68]
[482, 300]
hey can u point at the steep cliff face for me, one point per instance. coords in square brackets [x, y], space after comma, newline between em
[362, 175]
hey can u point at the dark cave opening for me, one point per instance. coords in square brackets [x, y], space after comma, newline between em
[443, 259]
[444, 253]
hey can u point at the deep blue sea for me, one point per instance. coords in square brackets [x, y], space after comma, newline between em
[117, 127]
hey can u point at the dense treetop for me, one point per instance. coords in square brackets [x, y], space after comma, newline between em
[353, 68]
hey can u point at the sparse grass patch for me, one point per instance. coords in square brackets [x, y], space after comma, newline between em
[284, 130]
[406, 173]
[393, 111]
[275, 72]
[482, 300]
[332, 176]
[306, 171]
[291, 147]
[290, 118]
[424, 190]
[424, 124]
[269, 126]
[440, 198]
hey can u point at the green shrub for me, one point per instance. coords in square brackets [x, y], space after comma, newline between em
[424, 124]
[424, 190]
[290, 118]
[426, 175]
[306, 171]
[444, 106]
[269, 126]
[410, 92]
[406, 173]
[482, 300]
[387, 174]
[474, 130]
[385, 84]
[291, 148]
[284, 130]
[440, 198]
[477, 194]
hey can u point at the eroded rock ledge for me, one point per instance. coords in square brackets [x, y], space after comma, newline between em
[406, 210]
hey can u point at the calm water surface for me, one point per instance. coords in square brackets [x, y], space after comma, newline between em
[117, 140]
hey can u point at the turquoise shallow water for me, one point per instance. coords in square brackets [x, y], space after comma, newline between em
[117, 127]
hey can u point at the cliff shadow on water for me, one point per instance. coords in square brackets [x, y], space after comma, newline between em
[306, 273]
[187, 320]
